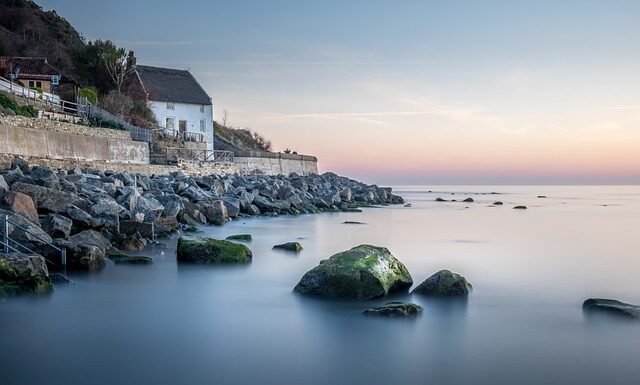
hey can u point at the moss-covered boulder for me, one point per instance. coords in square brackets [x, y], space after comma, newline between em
[395, 309]
[295, 247]
[444, 284]
[120, 258]
[211, 251]
[24, 275]
[240, 237]
[364, 272]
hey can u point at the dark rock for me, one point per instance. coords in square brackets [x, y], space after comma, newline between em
[363, 272]
[295, 247]
[395, 309]
[353, 223]
[440, 200]
[47, 199]
[468, 200]
[216, 212]
[240, 237]
[444, 283]
[120, 258]
[232, 204]
[498, 203]
[57, 226]
[520, 208]
[542, 196]
[611, 306]
[24, 275]
[211, 251]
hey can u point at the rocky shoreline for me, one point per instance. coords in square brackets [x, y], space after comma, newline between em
[92, 213]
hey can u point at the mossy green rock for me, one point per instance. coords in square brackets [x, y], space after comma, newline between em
[289, 246]
[240, 237]
[211, 251]
[395, 309]
[24, 275]
[364, 272]
[120, 258]
[444, 284]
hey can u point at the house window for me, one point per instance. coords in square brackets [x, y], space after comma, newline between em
[32, 84]
[170, 123]
[171, 106]
[202, 109]
[38, 84]
[203, 126]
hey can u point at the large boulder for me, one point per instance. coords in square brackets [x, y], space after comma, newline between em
[57, 226]
[22, 204]
[364, 272]
[211, 251]
[47, 199]
[295, 247]
[24, 275]
[444, 284]
[611, 306]
[216, 212]
[85, 250]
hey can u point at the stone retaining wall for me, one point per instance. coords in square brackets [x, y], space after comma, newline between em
[41, 143]
[274, 163]
[64, 127]
[208, 168]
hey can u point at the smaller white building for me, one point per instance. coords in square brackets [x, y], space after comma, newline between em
[178, 102]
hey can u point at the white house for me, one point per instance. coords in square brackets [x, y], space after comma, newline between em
[178, 102]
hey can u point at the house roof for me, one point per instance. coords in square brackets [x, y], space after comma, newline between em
[30, 67]
[171, 85]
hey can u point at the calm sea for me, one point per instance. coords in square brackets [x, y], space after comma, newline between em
[531, 270]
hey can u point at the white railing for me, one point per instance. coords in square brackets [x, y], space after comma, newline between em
[28, 93]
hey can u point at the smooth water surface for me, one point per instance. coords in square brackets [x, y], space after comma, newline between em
[523, 324]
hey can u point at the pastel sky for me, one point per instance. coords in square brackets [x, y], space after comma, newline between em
[409, 91]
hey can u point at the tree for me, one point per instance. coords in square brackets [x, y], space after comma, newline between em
[225, 117]
[119, 65]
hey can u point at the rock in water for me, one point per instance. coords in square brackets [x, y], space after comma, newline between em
[520, 208]
[296, 247]
[125, 259]
[444, 283]
[364, 272]
[395, 309]
[612, 306]
[468, 200]
[497, 203]
[211, 251]
[240, 237]
[24, 275]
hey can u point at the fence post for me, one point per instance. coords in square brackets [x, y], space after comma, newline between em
[6, 234]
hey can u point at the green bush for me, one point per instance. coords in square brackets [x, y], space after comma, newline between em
[7, 103]
[90, 93]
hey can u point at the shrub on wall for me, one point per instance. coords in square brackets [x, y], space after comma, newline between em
[9, 104]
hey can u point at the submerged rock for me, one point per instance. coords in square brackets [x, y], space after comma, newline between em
[211, 251]
[612, 306]
[240, 237]
[363, 272]
[520, 208]
[498, 203]
[353, 223]
[468, 200]
[440, 200]
[444, 283]
[289, 246]
[120, 258]
[395, 309]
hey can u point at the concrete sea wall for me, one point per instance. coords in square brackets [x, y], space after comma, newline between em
[38, 143]
[270, 163]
